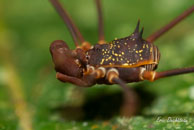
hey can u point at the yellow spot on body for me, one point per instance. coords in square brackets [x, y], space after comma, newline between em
[143, 45]
[140, 54]
[113, 59]
[111, 45]
[140, 51]
[133, 39]
[116, 38]
[102, 61]
[109, 57]
[119, 46]
[141, 58]
[151, 49]
[136, 52]
[110, 63]
[102, 49]
[116, 54]
[122, 53]
[121, 59]
[113, 52]
[125, 64]
[147, 45]
[128, 61]
[125, 43]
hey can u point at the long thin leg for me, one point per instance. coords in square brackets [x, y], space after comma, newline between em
[67, 19]
[100, 22]
[174, 22]
[130, 104]
[152, 75]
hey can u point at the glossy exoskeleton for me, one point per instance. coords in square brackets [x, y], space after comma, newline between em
[129, 59]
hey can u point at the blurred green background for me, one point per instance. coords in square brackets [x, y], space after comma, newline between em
[30, 95]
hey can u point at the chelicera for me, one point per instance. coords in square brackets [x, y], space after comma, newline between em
[121, 61]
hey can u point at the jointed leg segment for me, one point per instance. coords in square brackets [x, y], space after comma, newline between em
[167, 27]
[77, 36]
[100, 22]
[152, 75]
[130, 103]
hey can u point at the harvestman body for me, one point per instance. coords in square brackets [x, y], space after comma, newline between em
[129, 59]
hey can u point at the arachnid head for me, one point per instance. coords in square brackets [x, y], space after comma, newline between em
[65, 60]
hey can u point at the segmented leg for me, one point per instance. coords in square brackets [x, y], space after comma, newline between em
[83, 82]
[130, 104]
[100, 22]
[174, 22]
[77, 36]
[152, 75]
